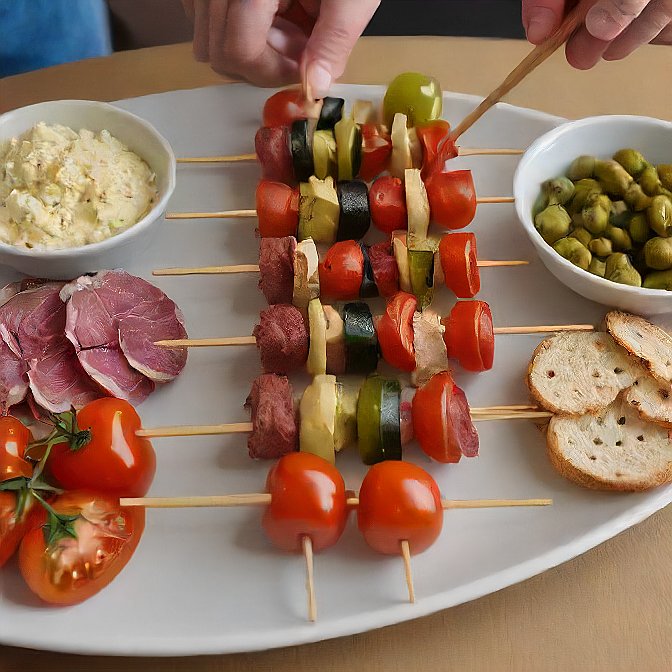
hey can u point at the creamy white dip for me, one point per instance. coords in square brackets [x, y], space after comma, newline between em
[61, 188]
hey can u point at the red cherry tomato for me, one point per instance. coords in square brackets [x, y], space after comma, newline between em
[437, 147]
[284, 107]
[387, 203]
[469, 335]
[385, 269]
[341, 271]
[277, 209]
[307, 499]
[273, 151]
[14, 439]
[452, 198]
[460, 264]
[395, 331]
[115, 461]
[442, 422]
[376, 150]
[67, 559]
[399, 501]
[12, 527]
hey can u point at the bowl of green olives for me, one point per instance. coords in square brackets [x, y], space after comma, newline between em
[595, 198]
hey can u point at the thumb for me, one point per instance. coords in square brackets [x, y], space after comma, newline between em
[338, 27]
[542, 17]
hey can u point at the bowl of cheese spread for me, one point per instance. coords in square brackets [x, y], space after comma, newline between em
[82, 187]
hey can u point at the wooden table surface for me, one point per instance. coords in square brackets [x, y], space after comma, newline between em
[610, 609]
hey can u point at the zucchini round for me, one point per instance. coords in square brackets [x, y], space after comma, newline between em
[361, 344]
[332, 111]
[301, 143]
[355, 217]
[368, 289]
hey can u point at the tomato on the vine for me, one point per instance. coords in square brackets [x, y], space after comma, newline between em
[452, 198]
[14, 439]
[16, 511]
[469, 335]
[387, 203]
[395, 331]
[277, 209]
[341, 271]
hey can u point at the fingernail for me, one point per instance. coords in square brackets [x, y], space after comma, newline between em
[540, 24]
[602, 25]
[318, 79]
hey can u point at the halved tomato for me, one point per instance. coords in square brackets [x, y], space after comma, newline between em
[277, 209]
[341, 271]
[459, 263]
[452, 198]
[470, 336]
[395, 331]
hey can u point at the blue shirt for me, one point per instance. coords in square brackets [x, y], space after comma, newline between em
[39, 33]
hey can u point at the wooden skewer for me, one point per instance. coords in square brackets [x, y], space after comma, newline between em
[307, 546]
[241, 214]
[534, 59]
[254, 268]
[406, 555]
[239, 158]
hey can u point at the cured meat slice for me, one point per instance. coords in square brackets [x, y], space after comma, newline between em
[276, 268]
[13, 379]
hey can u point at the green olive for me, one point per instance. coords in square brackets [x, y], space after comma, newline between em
[572, 250]
[582, 168]
[649, 181]
[596, 213]
[553, 223]
[619, 214]
[619, 269]
[620, 239]
[658, 253]
[614, 179]
[540, 204]
[639, 228]
[597, 267]
[665, 175]
[583, 189]
[658, 280]
[601, 247]
[631, 160]
[582, 235]
[636, 199]
[559, 190]
[417, 96]
[577, 220]
[659, 214]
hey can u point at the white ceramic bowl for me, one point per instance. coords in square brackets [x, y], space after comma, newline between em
[550, 156]
[139, 136]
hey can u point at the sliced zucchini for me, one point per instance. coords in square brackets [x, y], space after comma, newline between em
[324, 155]
[348, 148]
[401, 255]
[361, 344]
[390, 419]
[378, 420]
[421, 269]
[301, 143]
[319, 210]
[345, 431]
[355, 217]
[335, 341]
[331, 113]
[417, 206]
[317, 352]
[317, 411]
[368, 289]
[400, 158]
[306, 276]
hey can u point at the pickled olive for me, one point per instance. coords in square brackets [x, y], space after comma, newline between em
[659, 214]
[582, 190]
[619, 269]
[553, 223]
[582, 235]
[665, 175]
[636, 199]
[614, 179]
[577, 220]
[620, 239]
[658, 280]
[597, 267]
[572, 250]
[540, 204]
[619, 215]
[596, 213]
[558, 191]
[417, 96]
[658, 253]
[582, 168]
[649, 181]
[601, 247]
[639, 228]
[631, 160]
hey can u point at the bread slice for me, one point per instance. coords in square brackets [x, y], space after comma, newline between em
[649, 343]
[610, 450]
[652, 400]
[578, 372]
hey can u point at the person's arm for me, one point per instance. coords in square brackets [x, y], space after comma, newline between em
[613, 28]
[251, 39]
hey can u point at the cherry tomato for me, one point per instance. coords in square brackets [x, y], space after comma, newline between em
[341, 271]
[395, 331]
[452, 198]
[68, 557]
[14, 439]
[385, 269]
[12, 528]
[399, 501]
[437, 147]
[442, 422]
[307, 499]
[469, 335]
[460, 264]
[376, 150]
[387, 203]
[273, 151]
[277, 209]
[284, 107]
[115, 461]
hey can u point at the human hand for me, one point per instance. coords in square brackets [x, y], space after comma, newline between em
[613, 28]
[253, 40]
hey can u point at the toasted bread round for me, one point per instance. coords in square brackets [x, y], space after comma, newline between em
[610, 450]
[649, 343]
[578, 372]
[652, 400]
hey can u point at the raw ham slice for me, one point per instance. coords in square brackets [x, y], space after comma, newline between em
[13, 379]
